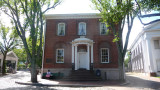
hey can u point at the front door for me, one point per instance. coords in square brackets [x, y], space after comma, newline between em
[83, 60]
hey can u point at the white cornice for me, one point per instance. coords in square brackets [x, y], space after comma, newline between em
[72, 16]
[140, 34]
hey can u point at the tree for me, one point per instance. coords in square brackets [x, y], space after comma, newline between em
[127, 59]
[115, 13]
[22, 56]
[9, 41]
[148, 6]
[27, 15]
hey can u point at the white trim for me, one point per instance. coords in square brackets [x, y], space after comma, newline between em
[58, 30]
[72, 16]
[108, 55]
[76, 58]
[73, 53]
[92, 53]
[88, 61]
[57, 53]
[79, 33]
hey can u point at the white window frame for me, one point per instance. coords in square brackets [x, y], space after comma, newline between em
[101, 28]
[79, 26]
[102, 55]
[58, 32]
[57, 55]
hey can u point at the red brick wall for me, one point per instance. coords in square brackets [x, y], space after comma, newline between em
[52, 41]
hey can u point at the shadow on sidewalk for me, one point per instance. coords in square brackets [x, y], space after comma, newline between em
[140, 83]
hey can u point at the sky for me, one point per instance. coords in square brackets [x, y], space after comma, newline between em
[86, 6]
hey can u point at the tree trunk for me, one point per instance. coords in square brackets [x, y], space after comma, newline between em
[120, 64]
[33, 70]
[4, 64]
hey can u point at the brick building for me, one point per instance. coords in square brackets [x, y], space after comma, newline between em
[79, 41]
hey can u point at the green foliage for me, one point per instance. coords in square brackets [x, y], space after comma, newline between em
[149, 5]
[21, 54]
[8, 43]
[28, 15]
[111, 11]
[116, 39]
[115, 13]
[21, 66]
[127, 59]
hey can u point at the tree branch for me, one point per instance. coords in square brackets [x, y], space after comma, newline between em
[53, 6]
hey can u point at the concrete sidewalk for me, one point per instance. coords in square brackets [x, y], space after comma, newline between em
[22, 78]
[47, 82]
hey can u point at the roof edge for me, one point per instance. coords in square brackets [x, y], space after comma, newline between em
[72, 16]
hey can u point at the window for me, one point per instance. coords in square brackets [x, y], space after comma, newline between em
[103, 29]
[82, 28]
[61, 29]
[104, 55]
[60, 56]
[156, 44]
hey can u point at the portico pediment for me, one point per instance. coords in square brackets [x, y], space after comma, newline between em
[82, 40]
[154, 26]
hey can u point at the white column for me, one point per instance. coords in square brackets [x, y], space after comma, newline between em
[72, 53]
[76, 57]
[92, 53]
[88, 56]
[149, 52]
[16, 65]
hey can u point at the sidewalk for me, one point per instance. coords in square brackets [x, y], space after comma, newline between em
[134, 81]
[47, 82]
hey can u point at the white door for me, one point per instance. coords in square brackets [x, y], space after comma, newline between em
[83, 60]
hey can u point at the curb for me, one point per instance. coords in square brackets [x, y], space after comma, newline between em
[64, 85]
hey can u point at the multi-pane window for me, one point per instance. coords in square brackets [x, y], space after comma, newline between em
[103, 29]
[60, 55]
[82, 28]
[104, 55]
[156, 44]
[61, 29]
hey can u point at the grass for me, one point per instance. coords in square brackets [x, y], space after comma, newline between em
[158, 77]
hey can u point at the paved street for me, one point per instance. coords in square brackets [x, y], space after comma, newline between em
[134, 82]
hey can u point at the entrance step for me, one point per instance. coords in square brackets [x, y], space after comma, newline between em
[82, 75]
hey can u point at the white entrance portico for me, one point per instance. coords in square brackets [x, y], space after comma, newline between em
[82, 53]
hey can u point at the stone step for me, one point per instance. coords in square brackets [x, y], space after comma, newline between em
[82, 75]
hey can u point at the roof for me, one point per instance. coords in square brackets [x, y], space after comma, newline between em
[72, 16]
[149, 28]
[10, 56]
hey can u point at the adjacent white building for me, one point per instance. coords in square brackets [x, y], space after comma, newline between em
[145, 51]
